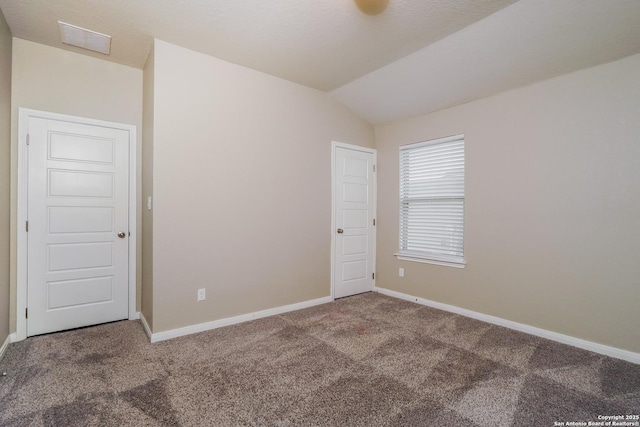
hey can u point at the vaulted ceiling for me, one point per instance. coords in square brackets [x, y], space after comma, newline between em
[416, 57]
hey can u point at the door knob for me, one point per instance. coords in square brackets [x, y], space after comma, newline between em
[121, 234]
[340, 231]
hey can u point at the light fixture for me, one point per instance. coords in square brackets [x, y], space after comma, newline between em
[372, 7]
[86, 39]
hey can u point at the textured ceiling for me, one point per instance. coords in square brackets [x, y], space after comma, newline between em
[524, 43]
[417, 57]
[319, 43]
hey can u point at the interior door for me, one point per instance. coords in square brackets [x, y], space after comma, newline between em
[354, 219]
[77, 225]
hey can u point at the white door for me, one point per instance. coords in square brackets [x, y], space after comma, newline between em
[354, 219]
[78, 180]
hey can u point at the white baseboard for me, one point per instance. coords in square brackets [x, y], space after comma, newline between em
[532, 330]
[145, 325]
[10, 338]
[201, 327]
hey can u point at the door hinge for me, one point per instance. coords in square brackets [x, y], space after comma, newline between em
[374, 221]
[374, 168]
[27, 139]
[373, 276]
[27, 226]
[26, 313]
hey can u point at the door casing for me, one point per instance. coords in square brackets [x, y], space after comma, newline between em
[334, 146]
[22, 215]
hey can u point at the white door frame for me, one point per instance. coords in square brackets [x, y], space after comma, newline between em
[334, 145]
[23, 174]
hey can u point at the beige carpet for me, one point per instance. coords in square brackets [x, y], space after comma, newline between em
[367, 360]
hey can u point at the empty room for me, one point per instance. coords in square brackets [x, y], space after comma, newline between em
[320, 213]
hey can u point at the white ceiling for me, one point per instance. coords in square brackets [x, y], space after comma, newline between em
[446, 52]
[527, 42]
[318, 43]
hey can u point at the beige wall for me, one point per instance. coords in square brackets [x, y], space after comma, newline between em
[5, 176]
[552, 205]
[242, 193]
[147, 189]
[55, 80]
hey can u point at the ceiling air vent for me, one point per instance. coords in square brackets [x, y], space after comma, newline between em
[86, 39]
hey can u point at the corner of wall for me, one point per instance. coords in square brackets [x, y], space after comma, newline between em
[5, 174]
[148, 88]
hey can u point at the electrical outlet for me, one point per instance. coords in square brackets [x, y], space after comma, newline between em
[202, 294]
[401, 272]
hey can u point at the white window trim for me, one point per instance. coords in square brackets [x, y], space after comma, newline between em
[436, 259]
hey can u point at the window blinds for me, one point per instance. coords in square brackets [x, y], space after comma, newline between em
[432, 199]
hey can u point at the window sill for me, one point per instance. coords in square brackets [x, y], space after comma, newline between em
[431, 260]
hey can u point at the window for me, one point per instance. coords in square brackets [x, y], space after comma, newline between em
[432, 201]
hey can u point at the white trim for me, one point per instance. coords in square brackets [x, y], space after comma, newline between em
[425, 260]
[201, 327]
[133, 218]
[432, 141]
[334, 145]
[618, 353]
[3, 348]
[145, 325]
[23, 171]
[21, 240]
